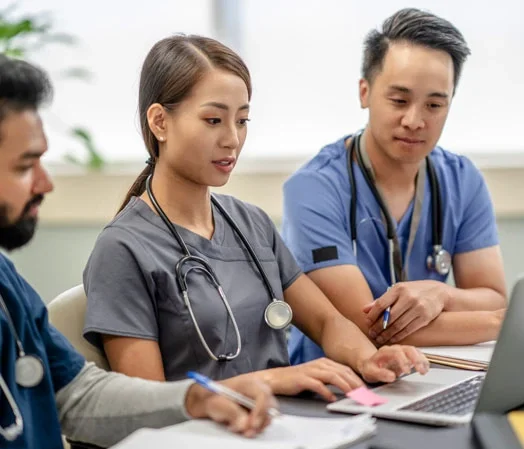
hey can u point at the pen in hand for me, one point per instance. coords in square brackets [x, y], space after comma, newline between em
[222, 390]
[385, 318]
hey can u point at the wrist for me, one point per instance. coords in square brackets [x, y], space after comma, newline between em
[270, 377]
[362, 359]
[446, 296]
[196, 397]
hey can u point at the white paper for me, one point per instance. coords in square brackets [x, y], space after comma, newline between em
[284, 432]
[474, 353]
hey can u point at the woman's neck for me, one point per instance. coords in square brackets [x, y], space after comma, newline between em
[184, 202]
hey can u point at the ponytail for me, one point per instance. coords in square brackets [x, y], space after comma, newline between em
[139, 186]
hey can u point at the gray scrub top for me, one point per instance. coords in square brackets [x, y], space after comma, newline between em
[132, 290]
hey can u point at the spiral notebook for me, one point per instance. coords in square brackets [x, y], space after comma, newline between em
[285, 432]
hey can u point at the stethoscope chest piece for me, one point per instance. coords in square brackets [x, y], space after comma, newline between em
[278, 314]
[440, 260]
[29, 371]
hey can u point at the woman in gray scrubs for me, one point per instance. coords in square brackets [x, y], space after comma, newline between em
[194, 105]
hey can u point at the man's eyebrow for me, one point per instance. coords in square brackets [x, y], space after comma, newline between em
[406, 90]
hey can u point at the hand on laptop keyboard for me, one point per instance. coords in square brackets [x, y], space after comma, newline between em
[390, 362]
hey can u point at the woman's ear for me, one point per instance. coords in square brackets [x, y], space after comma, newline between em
[156, 119]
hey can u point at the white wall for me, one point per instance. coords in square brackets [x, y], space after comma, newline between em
[305, 58]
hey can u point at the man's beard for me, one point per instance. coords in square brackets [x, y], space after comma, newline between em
[17, 234]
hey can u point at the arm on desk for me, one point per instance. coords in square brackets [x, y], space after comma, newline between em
[349, 292]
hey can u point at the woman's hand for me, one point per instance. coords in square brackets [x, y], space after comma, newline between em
[201, 403]
[390, 362]
[313, 376]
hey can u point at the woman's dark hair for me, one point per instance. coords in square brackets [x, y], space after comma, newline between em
[170, 71]
[415, 27]
[22, 86]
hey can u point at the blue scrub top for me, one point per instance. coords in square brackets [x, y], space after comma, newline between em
[62, 363]
[316, 223]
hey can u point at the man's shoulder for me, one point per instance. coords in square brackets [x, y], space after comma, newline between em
[329, 165]
[15, 284]
[5, 264]
[452, 163]
[8, 273]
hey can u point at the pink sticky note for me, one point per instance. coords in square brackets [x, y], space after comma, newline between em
[364, 396]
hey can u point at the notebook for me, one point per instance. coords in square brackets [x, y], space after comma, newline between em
[474, 357]
[285, 432]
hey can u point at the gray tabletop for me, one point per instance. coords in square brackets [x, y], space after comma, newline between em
[391, 434]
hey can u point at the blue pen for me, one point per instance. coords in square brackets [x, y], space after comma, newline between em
[217, 388]
[385, 318]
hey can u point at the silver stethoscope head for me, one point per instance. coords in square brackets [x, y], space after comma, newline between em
[440, 260]
[278, 314]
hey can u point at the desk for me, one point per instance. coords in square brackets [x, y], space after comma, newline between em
[392, 434]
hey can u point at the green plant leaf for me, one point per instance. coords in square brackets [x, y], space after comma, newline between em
[14, 52]
[73, 159]
[95, 160]
[22, 27]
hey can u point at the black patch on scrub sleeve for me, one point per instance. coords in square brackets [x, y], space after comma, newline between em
[324, 254]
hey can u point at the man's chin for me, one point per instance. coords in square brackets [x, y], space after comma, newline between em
[17, 235]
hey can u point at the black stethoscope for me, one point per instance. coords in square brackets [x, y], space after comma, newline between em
[29, 372]
[439, 260]
[278, 313]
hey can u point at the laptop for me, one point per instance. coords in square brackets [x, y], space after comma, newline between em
[446, 397]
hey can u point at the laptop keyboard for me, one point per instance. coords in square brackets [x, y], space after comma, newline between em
[459, 399]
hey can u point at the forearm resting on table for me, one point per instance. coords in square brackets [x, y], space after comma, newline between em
[457, 329]
[474, 299]
[344, 342]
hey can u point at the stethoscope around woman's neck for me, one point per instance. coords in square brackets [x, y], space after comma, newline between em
[278, 314]
[439, 259]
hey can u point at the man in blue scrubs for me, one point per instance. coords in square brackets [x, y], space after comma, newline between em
[46, 387]
[409, 77]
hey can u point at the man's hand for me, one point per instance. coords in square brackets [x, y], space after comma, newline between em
[390, 362]
[413, 305]
[201, 403]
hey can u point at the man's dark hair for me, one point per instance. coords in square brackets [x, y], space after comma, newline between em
[22, 86]
[415, 27]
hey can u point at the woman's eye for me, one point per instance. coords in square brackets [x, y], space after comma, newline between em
[213, 121]
[23, 169]
[243, 121]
